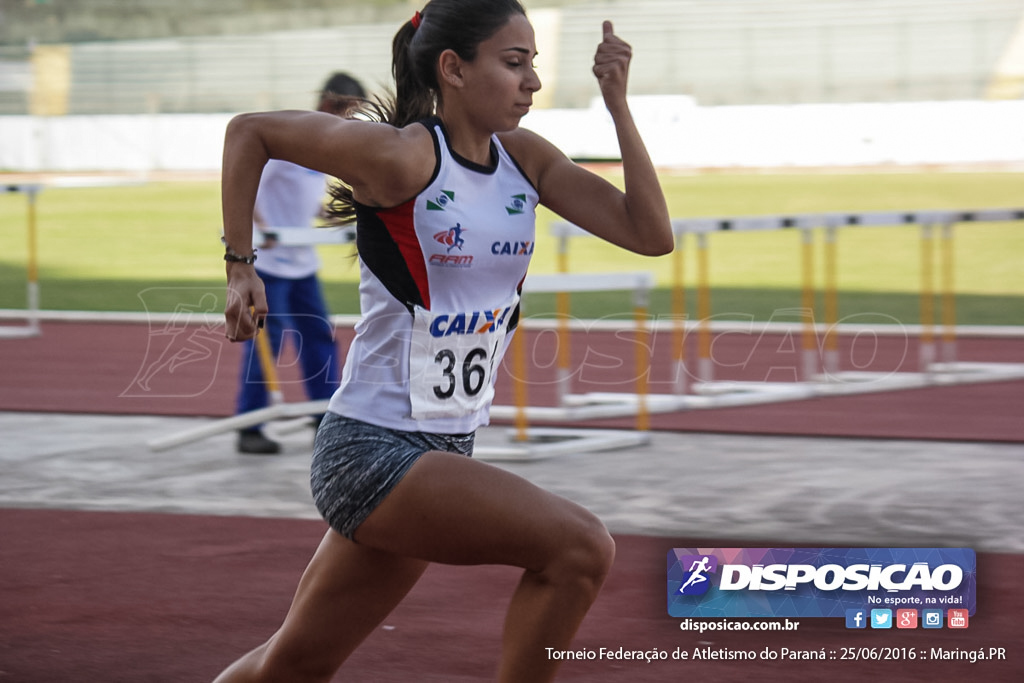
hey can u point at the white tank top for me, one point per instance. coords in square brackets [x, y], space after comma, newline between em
[439, 290]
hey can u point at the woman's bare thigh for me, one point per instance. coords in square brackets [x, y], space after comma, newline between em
[455, 510]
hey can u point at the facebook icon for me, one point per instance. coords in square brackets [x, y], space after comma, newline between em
[856, 618]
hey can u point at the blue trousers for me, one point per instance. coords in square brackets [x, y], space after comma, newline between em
[297, 313]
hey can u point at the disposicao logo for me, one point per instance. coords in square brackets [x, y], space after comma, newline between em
[696, 580]
[818, 582]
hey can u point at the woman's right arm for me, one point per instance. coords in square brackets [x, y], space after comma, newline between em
[381, 163]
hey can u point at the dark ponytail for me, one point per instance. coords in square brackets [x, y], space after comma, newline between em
[458, 25]
[415, 81]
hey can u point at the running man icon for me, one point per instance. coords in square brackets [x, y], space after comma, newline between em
[698, 569]
[452, 237]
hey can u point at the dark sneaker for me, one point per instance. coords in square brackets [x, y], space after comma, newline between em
[255, 443]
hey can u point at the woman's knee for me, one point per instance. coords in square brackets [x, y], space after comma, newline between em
[601, 548]
[588, 551]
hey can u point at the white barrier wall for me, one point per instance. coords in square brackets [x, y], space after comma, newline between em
[679, 133]
[172, 142]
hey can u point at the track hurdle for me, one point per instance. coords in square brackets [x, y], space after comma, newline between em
[820, 372]
[311, 236]
[31, 192]
[640, 283]
[278, 409]
[937, 303]
[532, 443]
[814, 349]
[563, 284]
[32, 328]
[702, 228]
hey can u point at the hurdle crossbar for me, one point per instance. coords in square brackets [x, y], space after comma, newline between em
[837, 219]
[307, 236]
[241, 421]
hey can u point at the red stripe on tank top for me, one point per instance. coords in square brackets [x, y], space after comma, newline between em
[400, 225]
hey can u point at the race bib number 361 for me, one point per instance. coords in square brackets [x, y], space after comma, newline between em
[453, 359]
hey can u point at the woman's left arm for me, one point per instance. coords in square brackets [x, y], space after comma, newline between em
[637, 218]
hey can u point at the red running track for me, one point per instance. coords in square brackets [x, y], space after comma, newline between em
[134, 369]
[130, 597]
[125, 598]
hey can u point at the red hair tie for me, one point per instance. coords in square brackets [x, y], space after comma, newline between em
[417, 19]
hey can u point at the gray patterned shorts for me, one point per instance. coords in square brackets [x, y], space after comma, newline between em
[356, 465]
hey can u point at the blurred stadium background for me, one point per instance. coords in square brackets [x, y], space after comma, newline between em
[948, 73]
[139, 86]
[186, 56]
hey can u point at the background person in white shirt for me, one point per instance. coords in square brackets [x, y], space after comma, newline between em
[291, 196]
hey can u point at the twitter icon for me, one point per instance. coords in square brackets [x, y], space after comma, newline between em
[881, 618]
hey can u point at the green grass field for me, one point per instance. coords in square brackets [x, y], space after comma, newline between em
[154, 246]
